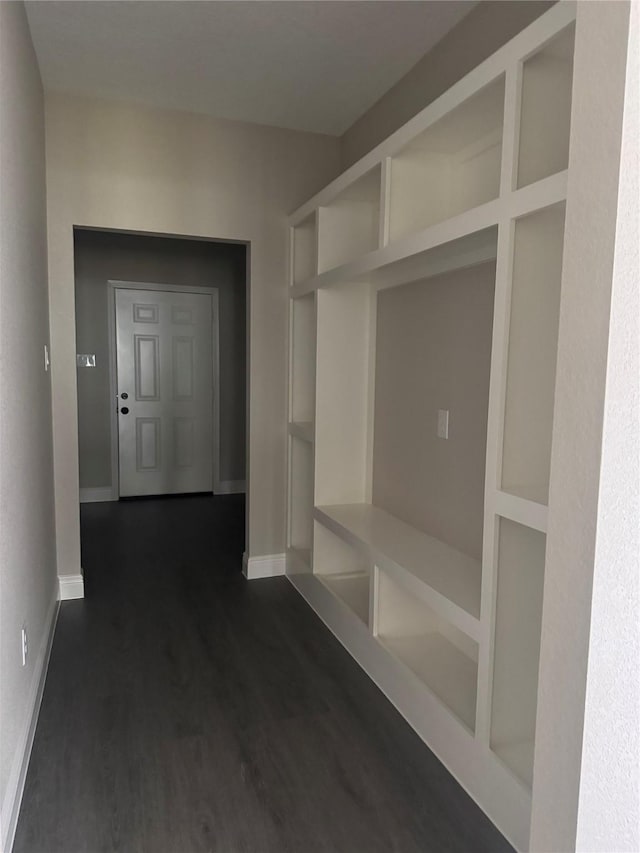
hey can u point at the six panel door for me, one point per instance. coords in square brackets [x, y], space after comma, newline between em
[165, 392]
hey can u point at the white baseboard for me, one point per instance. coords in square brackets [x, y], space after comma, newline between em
[230, 487]
[71, 586]
[22, 754]
[269, 566]
[97, 495]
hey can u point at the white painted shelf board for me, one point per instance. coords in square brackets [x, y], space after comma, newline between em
[441, 667]
[518, 757]
[302, 429]
[458, 240]
[521, 509]
[543, 193]
[352, 589]
[446, 579]
[531, 492]
[469, 251]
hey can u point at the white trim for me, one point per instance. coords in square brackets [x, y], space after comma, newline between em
[71, 587]
[98, 494]
[213, 292]
[231, 487]
[22, 754]
[269, 566]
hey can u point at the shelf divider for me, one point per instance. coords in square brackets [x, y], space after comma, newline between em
[521, 509]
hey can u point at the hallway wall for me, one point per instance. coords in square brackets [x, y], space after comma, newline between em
[28, 588]
[119, 166]
[104, 255]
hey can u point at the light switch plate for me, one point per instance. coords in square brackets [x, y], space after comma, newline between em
[443, 423]
[46, 358]
[85, 360]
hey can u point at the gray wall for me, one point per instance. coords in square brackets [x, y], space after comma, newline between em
[28, 586]
[480, 33]
[434, 352]
[102, 255]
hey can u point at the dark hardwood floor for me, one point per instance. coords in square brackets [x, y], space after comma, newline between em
[188, 710]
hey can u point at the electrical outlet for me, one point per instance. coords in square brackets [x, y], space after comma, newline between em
[443, 423]
[24, 639]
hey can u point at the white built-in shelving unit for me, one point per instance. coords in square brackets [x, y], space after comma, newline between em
[425, 278]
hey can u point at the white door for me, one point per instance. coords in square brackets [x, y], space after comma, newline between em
[165, 378]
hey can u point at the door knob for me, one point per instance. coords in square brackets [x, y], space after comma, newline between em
[124, 410]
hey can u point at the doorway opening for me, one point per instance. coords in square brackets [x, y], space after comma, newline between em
[161, 343]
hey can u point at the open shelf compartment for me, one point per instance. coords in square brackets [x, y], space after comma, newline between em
[349, 226]
[521, 558]
[435, 572]
[452, 166]
[444, 659]
[304, 262]
[545, 112]
[300, 536]
[343, 571]
[303, 360]
[532, 351]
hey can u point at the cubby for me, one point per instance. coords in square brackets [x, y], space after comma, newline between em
[350, 225]
[422, 377]
[451, 167]
[443, 658]
[521, 553]
[545, 112]
[304, 261]
[301, 499]
[343, 570]
[303, 360]
[532, 351]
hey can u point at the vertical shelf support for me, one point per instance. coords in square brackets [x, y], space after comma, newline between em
[497, 386]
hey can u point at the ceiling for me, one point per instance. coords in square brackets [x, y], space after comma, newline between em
[315, 65]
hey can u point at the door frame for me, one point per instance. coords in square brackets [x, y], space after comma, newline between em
[114, 285]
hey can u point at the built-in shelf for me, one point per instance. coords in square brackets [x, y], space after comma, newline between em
[303, 359]
[352, 590]
[446, 579]
[443, 668]
[342, 570]
[302, 430]
[425, 288]
[463, 241]
[443, 658]
[300, 495]
[545, 113]
[521, 554]
[350, 225]
[531, 361]
[522, 508]
[452, 166]
[345, 328]
[518, 757]
[299, 560]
